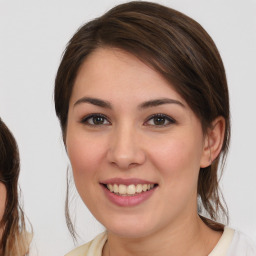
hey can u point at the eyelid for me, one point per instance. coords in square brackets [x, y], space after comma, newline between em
[87, 117]
[167, 117]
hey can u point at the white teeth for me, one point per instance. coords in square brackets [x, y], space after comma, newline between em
[122, 189]
[110, 187]
[130, 189]
[116, 190]
[139, 188]
[144, 187]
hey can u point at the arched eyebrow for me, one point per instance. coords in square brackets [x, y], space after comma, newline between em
[146, 104]
[94, 101]
[158, 102]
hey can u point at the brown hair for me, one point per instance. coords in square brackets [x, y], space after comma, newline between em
[13, 241]
[179, 49]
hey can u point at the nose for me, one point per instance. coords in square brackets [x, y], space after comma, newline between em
[125, 149]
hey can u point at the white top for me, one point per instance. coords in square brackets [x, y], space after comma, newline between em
[231, 243]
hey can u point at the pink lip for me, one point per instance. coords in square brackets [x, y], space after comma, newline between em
[128, 201]
[126, 182]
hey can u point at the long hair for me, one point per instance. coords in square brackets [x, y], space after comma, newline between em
[14, 240]
[179, 49]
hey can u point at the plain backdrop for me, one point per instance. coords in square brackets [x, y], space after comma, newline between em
[33, 35]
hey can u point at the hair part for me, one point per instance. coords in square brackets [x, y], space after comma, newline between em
[180, 50]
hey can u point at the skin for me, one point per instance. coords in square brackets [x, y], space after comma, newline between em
[129, 143]
[2, 202]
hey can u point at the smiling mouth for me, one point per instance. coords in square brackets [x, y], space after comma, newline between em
[130, 190]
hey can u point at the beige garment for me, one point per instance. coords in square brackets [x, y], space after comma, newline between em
[222, 247]
[94, 248]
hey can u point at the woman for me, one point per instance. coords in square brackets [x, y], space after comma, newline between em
[14, 239]
[142, 99]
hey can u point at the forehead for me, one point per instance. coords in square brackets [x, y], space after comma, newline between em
[114, 73]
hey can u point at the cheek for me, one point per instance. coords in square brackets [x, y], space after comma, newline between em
[177, 153]
[2, 199]
[178, 163]
[83, 155]
[178, 159]
[86, 154]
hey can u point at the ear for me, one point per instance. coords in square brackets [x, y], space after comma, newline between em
[213, 142]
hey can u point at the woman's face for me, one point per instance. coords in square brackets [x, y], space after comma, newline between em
[130, 131]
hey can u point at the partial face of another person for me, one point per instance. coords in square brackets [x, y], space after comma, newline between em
[2, 201]
[134, 144]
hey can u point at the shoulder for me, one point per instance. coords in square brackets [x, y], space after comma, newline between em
[241, 245]
[233, 243]
[92, 248]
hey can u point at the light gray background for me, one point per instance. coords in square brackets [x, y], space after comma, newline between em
[33, 35]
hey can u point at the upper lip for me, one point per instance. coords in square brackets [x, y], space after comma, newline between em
[126, 182]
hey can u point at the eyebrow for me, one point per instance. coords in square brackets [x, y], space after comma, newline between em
[94, 101]
[158, 102]
[146, 104]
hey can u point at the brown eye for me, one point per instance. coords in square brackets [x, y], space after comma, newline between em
[160, 120]
[98, 120]
[95, 120]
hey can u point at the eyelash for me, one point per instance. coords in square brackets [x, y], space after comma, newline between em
[163, 116]
[167, 118]
[86, 119]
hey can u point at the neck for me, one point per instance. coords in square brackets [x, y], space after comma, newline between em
[187, 237]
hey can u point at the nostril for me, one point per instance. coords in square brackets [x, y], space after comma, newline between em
[126, 161]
